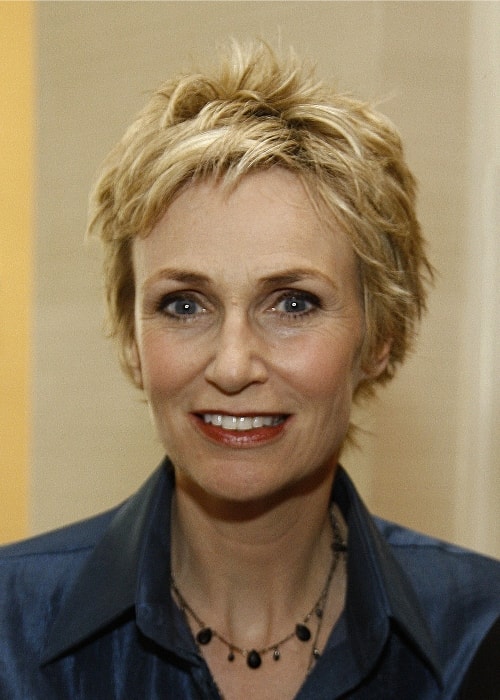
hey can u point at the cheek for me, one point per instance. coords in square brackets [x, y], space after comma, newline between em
[326, 368]
[166, 367]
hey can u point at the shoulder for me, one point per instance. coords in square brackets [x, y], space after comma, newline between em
[66, 540]
[45, 564]
[458, 592]
[436, 563]
[48, 564]
[35, 576]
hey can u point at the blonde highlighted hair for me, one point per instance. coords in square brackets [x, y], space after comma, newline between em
[255, 111]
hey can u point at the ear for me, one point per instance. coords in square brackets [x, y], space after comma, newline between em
[376, 365]
[134, 364]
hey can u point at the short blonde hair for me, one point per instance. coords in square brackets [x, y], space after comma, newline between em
[255, 111]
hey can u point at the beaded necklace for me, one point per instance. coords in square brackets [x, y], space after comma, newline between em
[302, 631]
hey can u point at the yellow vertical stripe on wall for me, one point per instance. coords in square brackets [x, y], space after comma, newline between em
[16, 221]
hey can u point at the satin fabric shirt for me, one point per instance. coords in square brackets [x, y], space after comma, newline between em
[86, 612]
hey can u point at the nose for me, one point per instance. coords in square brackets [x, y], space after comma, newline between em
[239, 356]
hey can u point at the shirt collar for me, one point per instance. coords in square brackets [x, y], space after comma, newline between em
[379, 594]
[130, 567]
[107, 584]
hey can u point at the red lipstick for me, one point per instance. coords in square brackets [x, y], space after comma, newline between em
[240, 438]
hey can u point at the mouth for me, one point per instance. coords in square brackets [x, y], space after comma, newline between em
[241, 431]
[242, 423]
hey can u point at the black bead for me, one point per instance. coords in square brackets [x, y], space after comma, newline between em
[204, 636]
[230, 656]
[253, 659]
[303, 633]
[276, 654]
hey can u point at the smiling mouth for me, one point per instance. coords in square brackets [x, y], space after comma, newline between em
[242, 423]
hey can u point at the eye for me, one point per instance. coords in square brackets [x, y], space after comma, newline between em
[297, 303]
[180, 306]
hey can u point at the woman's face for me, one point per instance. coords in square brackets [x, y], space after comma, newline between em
[249, 328]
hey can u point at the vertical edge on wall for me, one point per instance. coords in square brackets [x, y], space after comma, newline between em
[16, 224]
[476, 516]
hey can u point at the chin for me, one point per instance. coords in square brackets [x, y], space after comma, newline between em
[246, 491]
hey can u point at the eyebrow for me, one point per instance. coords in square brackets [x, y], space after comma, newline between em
[178, 275]
[284, 279]
[293, 276]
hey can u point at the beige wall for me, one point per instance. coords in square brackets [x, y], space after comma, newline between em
[432, 459]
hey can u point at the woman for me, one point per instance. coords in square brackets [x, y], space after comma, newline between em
[264, 268]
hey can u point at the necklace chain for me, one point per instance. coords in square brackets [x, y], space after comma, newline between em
[302, 632]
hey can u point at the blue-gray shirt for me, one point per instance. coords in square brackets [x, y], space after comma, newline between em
[86, 613]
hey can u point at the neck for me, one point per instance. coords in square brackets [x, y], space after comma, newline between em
[256, 566]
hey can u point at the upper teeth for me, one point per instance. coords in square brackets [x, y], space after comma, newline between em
[240, 422]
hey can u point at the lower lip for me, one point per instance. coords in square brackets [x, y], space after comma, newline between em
[240, 438]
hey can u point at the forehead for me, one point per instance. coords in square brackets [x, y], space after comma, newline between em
[266, 222]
